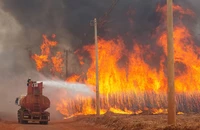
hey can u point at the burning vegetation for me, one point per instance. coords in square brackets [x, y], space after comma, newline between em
[130, 83]
[45, 59]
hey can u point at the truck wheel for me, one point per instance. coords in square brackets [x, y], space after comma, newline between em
[44, 122]
[21, 121]
[25, 122]
[18, 116]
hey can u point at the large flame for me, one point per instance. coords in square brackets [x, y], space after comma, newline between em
[46, 58]
[128, 84]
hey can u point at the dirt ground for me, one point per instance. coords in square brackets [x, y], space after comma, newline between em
[145, 122]
[53, 125]
[112, 121]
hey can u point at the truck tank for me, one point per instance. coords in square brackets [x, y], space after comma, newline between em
[30, 101]
[33, 105]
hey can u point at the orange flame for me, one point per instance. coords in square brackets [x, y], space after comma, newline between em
[184, 51]
[128, 84]
[119, 111]
[177, 9]
[57, 62]
[42, 59]
[46, 57]
[138, 82]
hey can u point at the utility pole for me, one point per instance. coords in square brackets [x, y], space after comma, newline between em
[67, 52]
[66, 63]
[97, 70]
[170, 65]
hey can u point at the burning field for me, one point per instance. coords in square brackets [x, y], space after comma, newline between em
[132, 80]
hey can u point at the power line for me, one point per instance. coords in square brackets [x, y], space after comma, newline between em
[102, 20]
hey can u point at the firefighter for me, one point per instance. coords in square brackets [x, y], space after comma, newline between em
[28, 81]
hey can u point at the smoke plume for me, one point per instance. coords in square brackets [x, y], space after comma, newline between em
[70, 19]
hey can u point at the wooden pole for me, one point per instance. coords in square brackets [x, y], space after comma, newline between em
[170, 65]
[66, 63]
[97, 70]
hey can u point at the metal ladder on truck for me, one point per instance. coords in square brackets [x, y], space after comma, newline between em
[36, 105]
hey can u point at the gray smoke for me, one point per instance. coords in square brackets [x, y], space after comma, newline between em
[13, 63]
[65, 16]
[70, 19]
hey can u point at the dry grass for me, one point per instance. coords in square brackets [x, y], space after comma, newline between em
[145, 122]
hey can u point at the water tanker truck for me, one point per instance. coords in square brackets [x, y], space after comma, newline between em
[33, 105]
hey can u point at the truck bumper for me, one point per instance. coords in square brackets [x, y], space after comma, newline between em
[37, 117]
